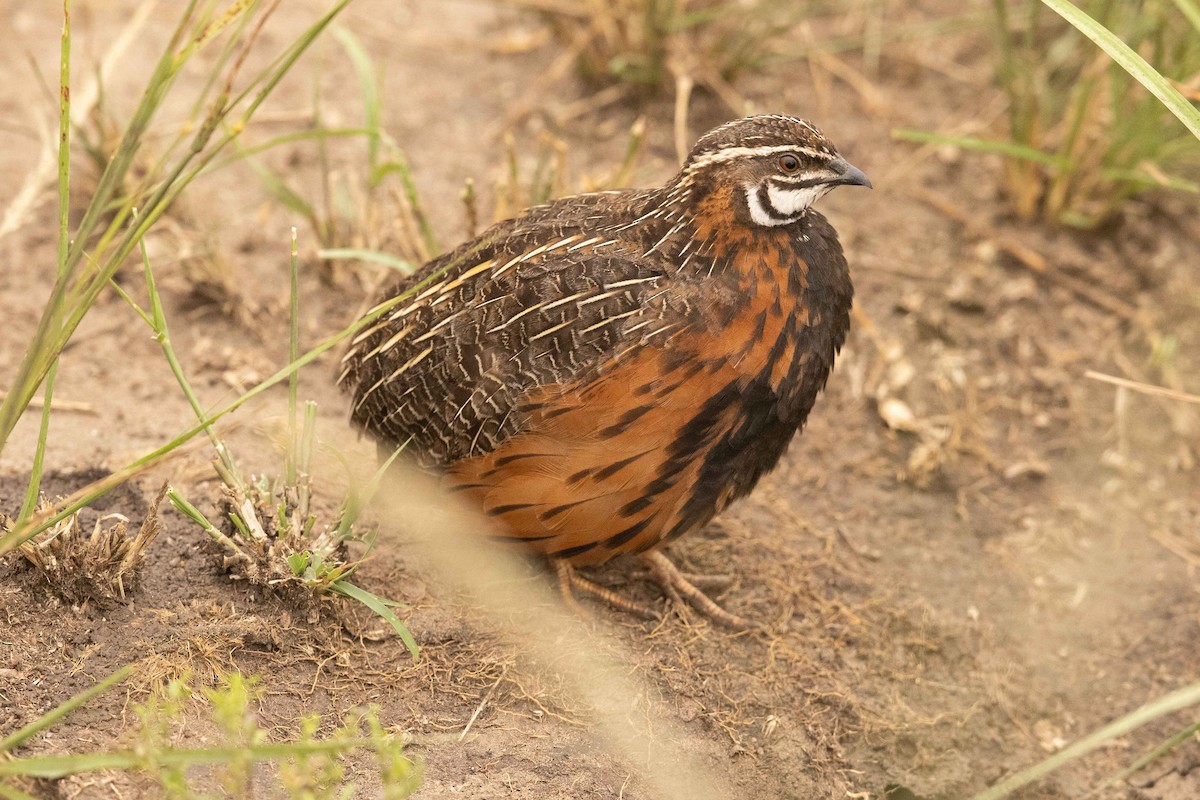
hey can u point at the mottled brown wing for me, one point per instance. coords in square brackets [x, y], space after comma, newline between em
[531, 303]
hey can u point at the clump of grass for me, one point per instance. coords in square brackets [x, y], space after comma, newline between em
[1083, 134]
[1110, 138]
[650, 44]
[360, 215]
[518, 187]
[99, 567]
[308, 768]
[271, 536]
[90, 255]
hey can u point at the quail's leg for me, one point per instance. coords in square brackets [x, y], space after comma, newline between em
[678, 586]
[569, 579]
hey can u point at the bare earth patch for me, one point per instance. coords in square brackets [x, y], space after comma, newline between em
[972, 556]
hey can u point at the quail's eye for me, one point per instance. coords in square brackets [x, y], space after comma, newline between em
[788, 162]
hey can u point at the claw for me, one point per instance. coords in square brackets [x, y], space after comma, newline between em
[678, 586]
[569, 580]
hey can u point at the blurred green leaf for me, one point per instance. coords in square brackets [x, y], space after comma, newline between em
[380, 607]
[1004, 148]
[1131, 62]
[1167, 704]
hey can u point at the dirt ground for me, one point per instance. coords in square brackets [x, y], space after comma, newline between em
[948, 599]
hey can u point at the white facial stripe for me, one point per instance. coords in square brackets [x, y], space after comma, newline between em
[780, 205]
[730, 153]
[790, 202]
[758, 214]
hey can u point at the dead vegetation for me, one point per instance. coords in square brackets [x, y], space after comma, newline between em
[100, 567]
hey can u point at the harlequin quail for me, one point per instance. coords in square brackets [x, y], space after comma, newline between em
[605, 373]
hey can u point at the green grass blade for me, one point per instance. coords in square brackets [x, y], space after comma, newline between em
[388, 260]
[63, 709]
[1167, 704]
[1132, 63]
[372, 114]
[261, 88]
[1000, 147]
[1157, 752]
[184, 507]
[163, 336]
[60, 766]
[287, 138]
[380, 607]
[399, 166]
[293, 354]
[1140, 178]
[357, 498]
[33, 490]
[285, 195]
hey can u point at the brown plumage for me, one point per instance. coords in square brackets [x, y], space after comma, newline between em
[605, 373]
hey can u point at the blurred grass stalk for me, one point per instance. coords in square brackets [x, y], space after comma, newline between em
[105, 236]
[1180, 699]
[1086, 134]
[33, 490]
[1074, 104]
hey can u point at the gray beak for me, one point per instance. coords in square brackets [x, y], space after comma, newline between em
[848, 174]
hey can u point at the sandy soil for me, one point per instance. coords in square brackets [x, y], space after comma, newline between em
[944, 603]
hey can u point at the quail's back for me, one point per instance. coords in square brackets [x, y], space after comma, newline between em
[605, 373]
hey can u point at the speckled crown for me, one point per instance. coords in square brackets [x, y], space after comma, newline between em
[764, 130]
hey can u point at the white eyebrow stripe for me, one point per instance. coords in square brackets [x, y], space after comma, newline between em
[730, 153]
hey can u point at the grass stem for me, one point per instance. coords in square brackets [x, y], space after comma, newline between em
[1167, 704]
[293, 354]
[60, 711]
[33, 490]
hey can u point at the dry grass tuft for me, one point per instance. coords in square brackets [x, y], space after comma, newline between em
[516, 190]
[277, 546]
[651, 44]
[99, 567]
[540, 175]
[1087, 136]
